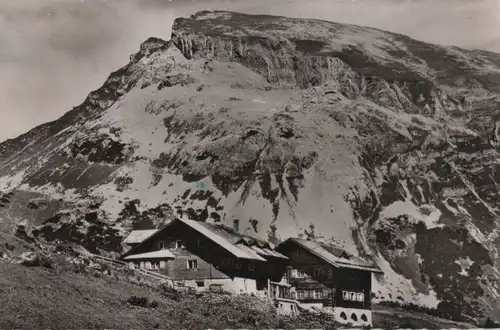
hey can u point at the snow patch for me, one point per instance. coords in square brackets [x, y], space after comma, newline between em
[427, 214]
[464, 264]
[393, 286]
[12, 181]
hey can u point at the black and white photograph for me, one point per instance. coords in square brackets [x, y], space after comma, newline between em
[249, 164]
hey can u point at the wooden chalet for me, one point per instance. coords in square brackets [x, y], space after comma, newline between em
[327, 277]
[203, 255]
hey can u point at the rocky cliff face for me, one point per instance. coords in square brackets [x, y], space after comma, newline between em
[384, 144]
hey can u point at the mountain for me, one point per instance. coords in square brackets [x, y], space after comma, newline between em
[383, 144]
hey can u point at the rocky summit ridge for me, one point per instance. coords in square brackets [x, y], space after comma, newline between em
[385, 145]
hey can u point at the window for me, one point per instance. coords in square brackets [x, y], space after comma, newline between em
[155, 265]
[330, 273]
[192, 264]
[298, 253]
[216, 287]
[137, 265]
[238, 265]
[178, 244]
[200, 284]
[319, 295]
[228, 263]
[317, 272]
[300, 294]
[353, 296]
[251, 267]
[160, 245]
[200, 245]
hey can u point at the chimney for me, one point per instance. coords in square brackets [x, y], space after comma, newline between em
[236, 225]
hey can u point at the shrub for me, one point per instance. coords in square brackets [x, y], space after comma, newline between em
[310, 320]
[37, 260]
[171, 293]
[142, 302]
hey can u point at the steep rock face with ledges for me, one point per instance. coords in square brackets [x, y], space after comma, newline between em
[383, 144]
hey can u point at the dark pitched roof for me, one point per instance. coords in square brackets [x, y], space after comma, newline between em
[336, 251]
[234, 236]
[334, 255]
[240, 245]
[222, 238]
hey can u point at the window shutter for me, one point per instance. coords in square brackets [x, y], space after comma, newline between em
[162, 264]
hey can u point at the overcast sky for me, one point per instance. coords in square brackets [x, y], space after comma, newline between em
[54, 52]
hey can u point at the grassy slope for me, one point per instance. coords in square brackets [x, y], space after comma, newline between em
[41, 298]
[391, 317]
